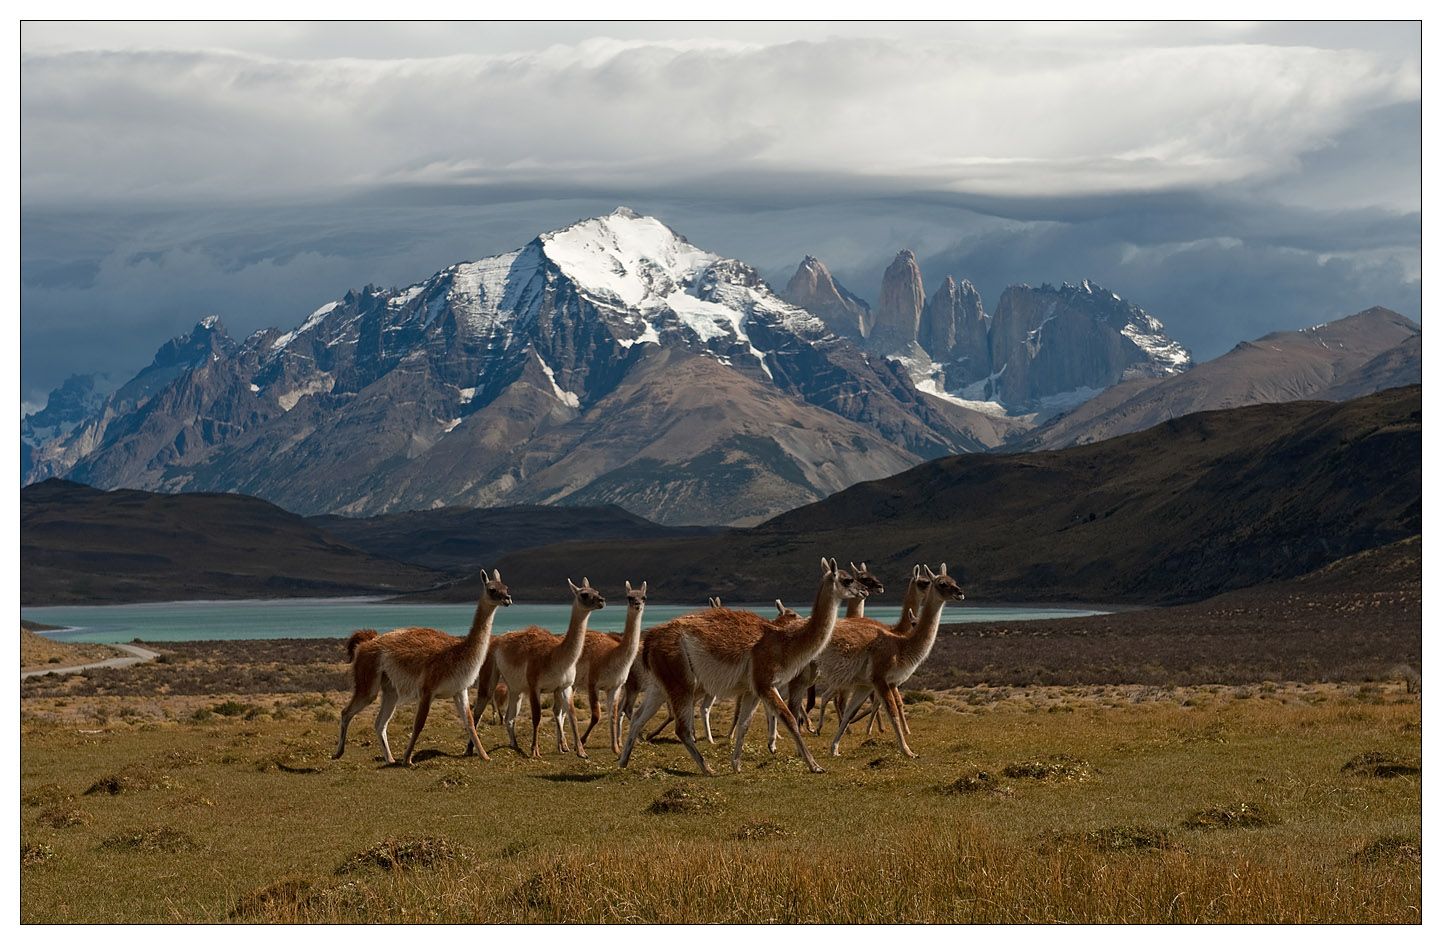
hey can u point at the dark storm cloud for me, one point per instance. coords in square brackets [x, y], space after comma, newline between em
[1234, 179]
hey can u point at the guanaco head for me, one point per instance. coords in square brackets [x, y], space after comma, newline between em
[494, 591]
[784, 614]
[586, 595]
[871, 582]
[944, 585]
[842, 581]
[635, 597]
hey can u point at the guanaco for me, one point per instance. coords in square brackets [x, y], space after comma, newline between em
[533, 660]
[910, 603]
[861, 654]
[605, 665]
[736, 652]
[417, 664]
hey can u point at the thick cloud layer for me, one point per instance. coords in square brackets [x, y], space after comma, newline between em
[1234, 180]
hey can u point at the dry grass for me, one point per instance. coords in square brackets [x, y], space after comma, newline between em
[37, 652]
[223, 820]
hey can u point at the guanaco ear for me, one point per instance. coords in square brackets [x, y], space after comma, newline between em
[834, 566]
[943, 569]
[586, 582]
[929, 573]
[643, 588]
[496, 576]
[915, 571]
[574, 588]
[780, 608]
[910, 615]
[825, 566]
[628, 587]
[855, 569]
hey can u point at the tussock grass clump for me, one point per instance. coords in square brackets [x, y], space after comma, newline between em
[65, 815]
[135, 778]
[917, 696]
[1378, 764]
[44, 795]
[1055, 768]
[403, 853]
[976, 781]
[1116, 839]
[1244, 816]
[151, 840]
[284, 894]
[33, 854]
[684, 800]
[1391, 847]
[760, 830]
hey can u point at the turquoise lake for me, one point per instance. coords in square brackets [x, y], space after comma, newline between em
[331, 617]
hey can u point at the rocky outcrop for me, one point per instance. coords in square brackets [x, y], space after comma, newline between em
[955, 331]
[898, 310]
[1057, 346]
[814, 289]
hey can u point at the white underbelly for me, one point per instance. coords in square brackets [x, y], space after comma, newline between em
[714, 676]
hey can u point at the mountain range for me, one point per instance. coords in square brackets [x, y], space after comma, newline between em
[1192, 507]
[612, 362]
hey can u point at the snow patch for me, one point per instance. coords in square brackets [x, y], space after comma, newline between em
[624, 257]
[1148, 336]
[933, 388]
[564, 396]
[255, 388]
[450, 425]
[407, 296]
[467, 394]
[311, 322]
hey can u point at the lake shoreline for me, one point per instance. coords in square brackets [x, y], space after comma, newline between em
[307, 618]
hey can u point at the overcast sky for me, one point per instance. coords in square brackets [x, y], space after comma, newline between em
[1232, 179]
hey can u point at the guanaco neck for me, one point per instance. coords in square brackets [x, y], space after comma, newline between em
[910, 601]
[631, 636]
[816, 632]
[918, 643]
[480, 634]
[856, 607]
[575, 640]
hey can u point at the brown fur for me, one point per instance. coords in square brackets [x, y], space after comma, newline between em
[356, 639]
[420, 663]
[734, 639]
[606, 656]
[889, 653]
[540, 655]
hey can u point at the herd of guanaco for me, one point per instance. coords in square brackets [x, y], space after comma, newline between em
[786, 664]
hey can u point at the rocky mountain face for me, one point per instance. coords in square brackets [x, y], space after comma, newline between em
[1351, 357]
[610, 361]
[955, 329]
[814, 289]
[898, 309]
[1042, 350]
[1051, 346]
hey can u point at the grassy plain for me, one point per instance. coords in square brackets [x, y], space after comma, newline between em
[1224, 803]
